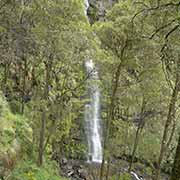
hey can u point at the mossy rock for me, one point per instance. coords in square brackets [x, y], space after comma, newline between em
[124, 176]
[28, 170]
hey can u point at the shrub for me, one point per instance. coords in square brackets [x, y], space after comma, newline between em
[27, 170]
[125, 176]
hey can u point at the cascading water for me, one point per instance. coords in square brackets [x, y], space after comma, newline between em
[92, 115]
[86, 3]
[92, 110]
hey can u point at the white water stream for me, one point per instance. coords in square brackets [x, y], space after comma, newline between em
[92, 115]
[92, 110]
[86, 4]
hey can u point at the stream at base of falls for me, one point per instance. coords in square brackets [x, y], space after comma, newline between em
[80, 170]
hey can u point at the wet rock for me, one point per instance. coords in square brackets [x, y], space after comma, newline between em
[73, 169]
[98, 8]
[69, 167]
[83, 173]
[64, 161]
[70, 173]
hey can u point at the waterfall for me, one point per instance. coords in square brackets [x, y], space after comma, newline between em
[92, 115]
[86, 4]
[92, 110]
[136, 176]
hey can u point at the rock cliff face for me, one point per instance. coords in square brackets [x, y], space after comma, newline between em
[98, 8]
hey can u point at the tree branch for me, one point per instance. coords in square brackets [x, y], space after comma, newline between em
[162, 27]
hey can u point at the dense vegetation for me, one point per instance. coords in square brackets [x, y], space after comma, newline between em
[136, 48]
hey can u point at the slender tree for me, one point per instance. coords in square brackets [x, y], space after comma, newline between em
[169, 120]
[175, 174]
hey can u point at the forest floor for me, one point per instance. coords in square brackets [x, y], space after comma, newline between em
[80, 170]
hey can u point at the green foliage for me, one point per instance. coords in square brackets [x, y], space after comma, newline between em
[27, 170]
[76, 150]
[93, 14]
[13, 127]
[124, 176]
[149, 143]
[43, 45]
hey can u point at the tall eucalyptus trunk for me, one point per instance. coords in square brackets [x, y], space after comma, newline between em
[110, 115]
[169, 120]
[138, 131]
[42, 137]
[23, 94]
[175, 174]
[41, 150]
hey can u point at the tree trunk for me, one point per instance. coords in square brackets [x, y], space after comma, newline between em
[24, 86]
[134, 148]
[108, 169]
[109, 118]
[175, 174]
[41, 140]
[170, 118]
[42, 145]
[139, 129]
[110, 115]
[5, 79]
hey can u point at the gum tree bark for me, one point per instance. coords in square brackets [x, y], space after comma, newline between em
[110, 116]
[138, 131]
[41, 149]
[24, 85]
[175, 174]
[170, 119]
[41, 139]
